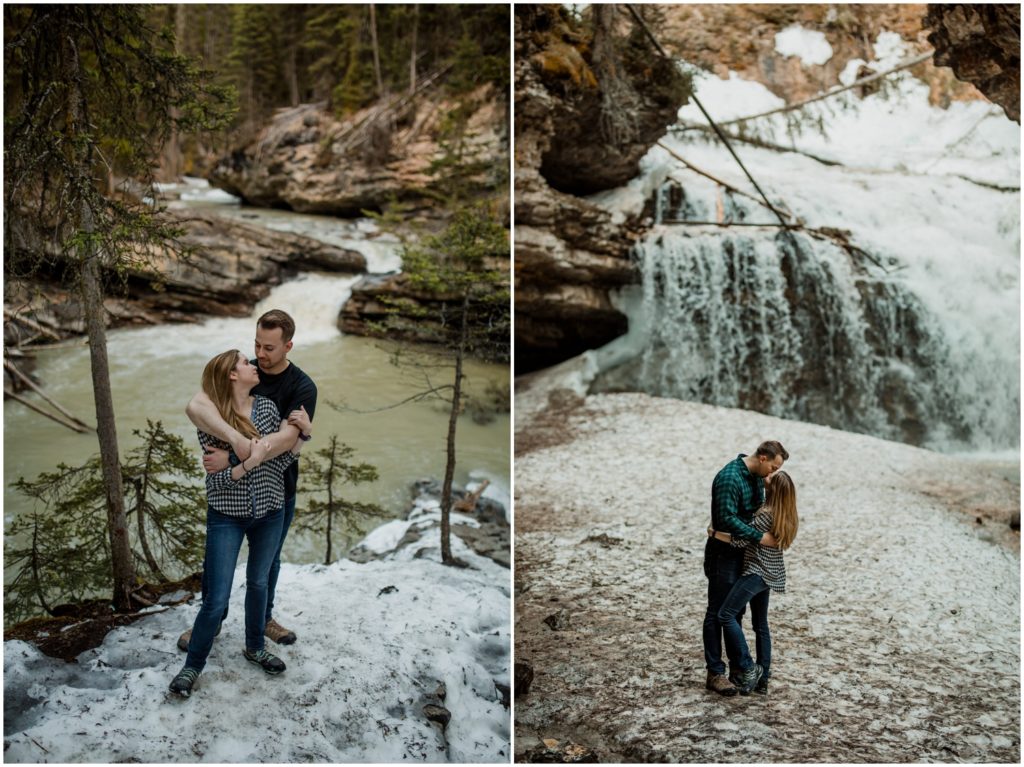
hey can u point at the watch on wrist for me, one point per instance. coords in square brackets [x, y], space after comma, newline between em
[305, 437]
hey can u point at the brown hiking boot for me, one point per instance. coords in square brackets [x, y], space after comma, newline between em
[720, 683]
[278, 633]
[185, 638]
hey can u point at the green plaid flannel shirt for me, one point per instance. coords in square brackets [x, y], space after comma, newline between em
[735, 495]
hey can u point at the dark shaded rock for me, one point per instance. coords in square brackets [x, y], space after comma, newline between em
[438, 714]
[1015, 520]
[583, 153]
[604, 540]
[415, 315]
[981, 43]
[569, 253]
[505, 692]
[523, 678]
[558, 621]
[387, 590]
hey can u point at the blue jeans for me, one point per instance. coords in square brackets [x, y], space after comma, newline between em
[722, 566]
[275, 568]
[749, 588]
[223, 541]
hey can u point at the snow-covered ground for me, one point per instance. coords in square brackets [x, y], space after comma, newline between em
[898, 639]
[375, 642]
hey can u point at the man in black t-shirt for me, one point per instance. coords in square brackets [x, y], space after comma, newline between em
[294, 393]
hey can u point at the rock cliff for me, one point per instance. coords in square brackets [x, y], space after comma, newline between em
[230, 267]
[569, 253]
[982, 45]
[395, 151]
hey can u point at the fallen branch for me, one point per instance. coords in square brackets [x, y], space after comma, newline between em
[761, 143]
[905, 64]
[32, 406]
[31, 325]
[718, 131]
[707, 175]
[13, 370]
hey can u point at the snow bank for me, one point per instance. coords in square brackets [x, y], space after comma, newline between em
[375, 641]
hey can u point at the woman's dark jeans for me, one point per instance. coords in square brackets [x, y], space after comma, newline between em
[722, 566]
[224, 536]
[749, 588]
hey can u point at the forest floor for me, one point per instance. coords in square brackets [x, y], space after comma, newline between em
[898, 638]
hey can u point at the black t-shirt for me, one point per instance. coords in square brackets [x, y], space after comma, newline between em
[288, 390]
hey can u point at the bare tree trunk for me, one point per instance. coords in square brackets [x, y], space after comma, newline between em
[141, 491]
[330, 496]
[412, 58]
[376, 51]
[291, 74]
[172, 156]
[92, 296]
[35, 568]
[449, 468]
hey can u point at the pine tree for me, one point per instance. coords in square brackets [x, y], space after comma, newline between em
[328, 471]
[91, 88]
[459, 269]
[60, 552]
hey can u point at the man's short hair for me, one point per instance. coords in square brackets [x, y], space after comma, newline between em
[275, 318]
[771, 449]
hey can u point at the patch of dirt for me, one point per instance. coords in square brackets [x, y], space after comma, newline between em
[551, 426]
[80, 627]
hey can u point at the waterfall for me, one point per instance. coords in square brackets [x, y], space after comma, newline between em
[794, 326]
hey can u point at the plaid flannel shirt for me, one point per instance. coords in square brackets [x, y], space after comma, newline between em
[259, 491]
[764, 560]
[735, 495]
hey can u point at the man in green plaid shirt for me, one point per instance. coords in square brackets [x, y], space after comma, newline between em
[736, 493]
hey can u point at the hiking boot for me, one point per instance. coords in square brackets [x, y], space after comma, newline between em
[720, 683]
[761, 688]
[269, 663]
[182, 683]
[185, 638]
[747, 680]
[278, 633]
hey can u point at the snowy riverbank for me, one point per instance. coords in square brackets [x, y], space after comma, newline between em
[376, 642]
[898, 640]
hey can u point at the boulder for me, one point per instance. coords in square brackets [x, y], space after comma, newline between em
[308, 160]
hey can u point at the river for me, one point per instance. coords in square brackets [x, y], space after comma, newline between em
[155, 370]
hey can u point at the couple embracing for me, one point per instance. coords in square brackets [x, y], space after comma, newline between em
[753, 520]
[253, 417]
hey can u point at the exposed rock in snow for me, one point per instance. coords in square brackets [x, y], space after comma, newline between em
[898, 639]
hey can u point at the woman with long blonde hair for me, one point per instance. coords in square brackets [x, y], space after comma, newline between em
[764, 571]
[245, 500]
